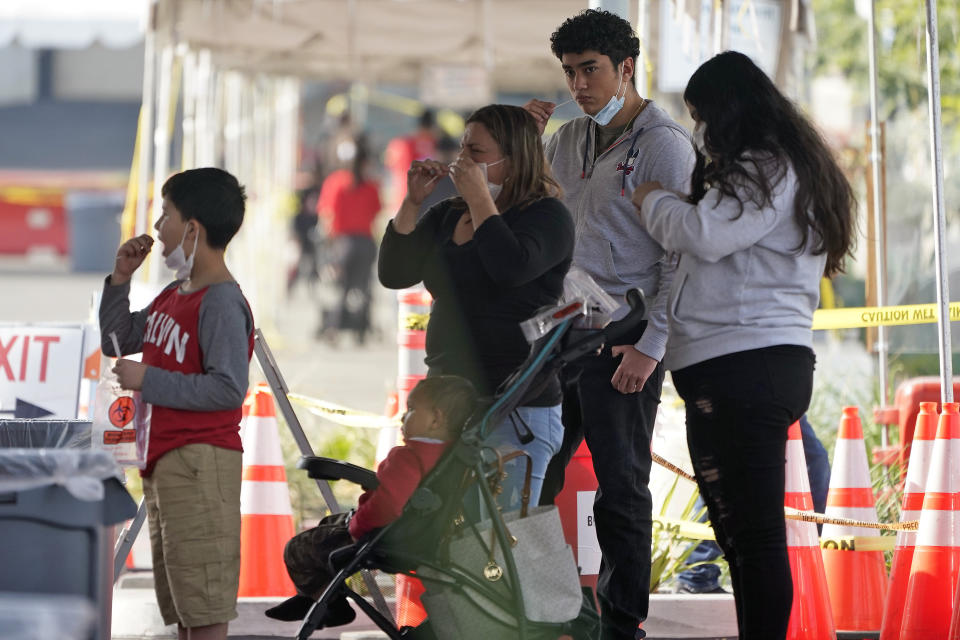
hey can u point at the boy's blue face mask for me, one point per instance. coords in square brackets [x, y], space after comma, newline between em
[612, 108]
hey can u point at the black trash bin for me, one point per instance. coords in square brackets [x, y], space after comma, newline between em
[45, 434]
[58, 508]
[94, 222]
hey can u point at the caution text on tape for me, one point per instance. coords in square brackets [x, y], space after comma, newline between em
[858, 317]
[859, 543]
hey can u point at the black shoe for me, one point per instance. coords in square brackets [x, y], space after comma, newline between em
[339, 612]
[290, 609]
[296, 608]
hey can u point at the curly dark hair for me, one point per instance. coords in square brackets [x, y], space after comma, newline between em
[748, 121]
[594, 30]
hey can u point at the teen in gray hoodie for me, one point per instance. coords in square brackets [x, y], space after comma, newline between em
[611, 399]
[769, 216]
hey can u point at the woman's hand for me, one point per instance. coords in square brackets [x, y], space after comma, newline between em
[130, 256]
[422, 179]
[470, 181]
[642, 191]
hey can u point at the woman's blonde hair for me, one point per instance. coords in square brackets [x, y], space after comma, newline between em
[528, 176]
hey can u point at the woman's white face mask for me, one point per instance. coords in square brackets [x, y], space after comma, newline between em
[495, 189]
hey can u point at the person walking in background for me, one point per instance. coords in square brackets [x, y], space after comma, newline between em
[490, 258]
[197, 339]
[611, 399]
[348, 204]
[768, 216]
[304, 228]
[403, 150]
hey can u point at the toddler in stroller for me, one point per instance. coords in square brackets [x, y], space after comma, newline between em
[437, 409]
[509, 576]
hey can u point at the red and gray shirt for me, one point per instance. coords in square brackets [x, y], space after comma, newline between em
[197, 346]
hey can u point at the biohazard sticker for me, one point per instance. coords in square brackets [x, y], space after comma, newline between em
[122, 411]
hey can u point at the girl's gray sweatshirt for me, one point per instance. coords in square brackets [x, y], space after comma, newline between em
[742, 283]
[611, 245]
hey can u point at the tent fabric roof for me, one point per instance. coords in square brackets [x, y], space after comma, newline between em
[376, 40]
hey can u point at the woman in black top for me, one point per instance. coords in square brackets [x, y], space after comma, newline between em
[490, 258]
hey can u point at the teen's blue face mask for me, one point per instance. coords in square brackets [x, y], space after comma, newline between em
[612, 108]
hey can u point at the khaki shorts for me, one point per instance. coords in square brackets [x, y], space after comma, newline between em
[193, 506]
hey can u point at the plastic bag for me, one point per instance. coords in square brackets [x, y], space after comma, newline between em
[121, 419]
[598, 304]
[582, 297]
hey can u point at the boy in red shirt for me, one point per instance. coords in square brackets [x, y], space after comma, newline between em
[437, 408]
[196, 338]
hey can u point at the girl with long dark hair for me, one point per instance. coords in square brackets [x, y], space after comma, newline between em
[771, 213]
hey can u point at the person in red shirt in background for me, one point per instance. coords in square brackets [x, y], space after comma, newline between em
[348, 204]
[402, 151]
[437, 409]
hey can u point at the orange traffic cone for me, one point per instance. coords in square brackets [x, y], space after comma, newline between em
[411, 369]
[932, 587]
[266, 519]
[857, 580]
[810, 617]
[924, 434]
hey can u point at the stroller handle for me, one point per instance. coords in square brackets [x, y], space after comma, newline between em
[613, 332]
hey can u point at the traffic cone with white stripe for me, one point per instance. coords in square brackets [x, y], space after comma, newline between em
[411, 369]
[856, 579]
[932, 587]
[810, 616]
[266, 518]
[921, 452]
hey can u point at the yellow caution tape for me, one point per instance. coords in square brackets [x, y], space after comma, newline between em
[858, 317]
[683, 528]
[342, 415]
[806, 516]
[819, 518]
[859, 543]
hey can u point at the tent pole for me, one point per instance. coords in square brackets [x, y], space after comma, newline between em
[142, 223]
[936, 157]
[879, 236]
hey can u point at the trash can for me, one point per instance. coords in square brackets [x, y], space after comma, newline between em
[57, 511]
[45, 434]
[31, 617]
[93, 219]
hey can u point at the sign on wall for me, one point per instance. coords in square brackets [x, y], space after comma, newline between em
[40, 370]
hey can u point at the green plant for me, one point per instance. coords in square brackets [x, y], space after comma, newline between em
[670, 548]
[331, 441]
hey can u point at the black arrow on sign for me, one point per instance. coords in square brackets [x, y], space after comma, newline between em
[27, 411]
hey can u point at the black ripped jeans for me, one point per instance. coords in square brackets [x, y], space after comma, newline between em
[739, 407]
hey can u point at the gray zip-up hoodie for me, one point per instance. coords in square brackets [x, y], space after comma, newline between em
[611, 245]
[741, 283]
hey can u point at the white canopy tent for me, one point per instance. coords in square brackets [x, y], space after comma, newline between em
[375, 40]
